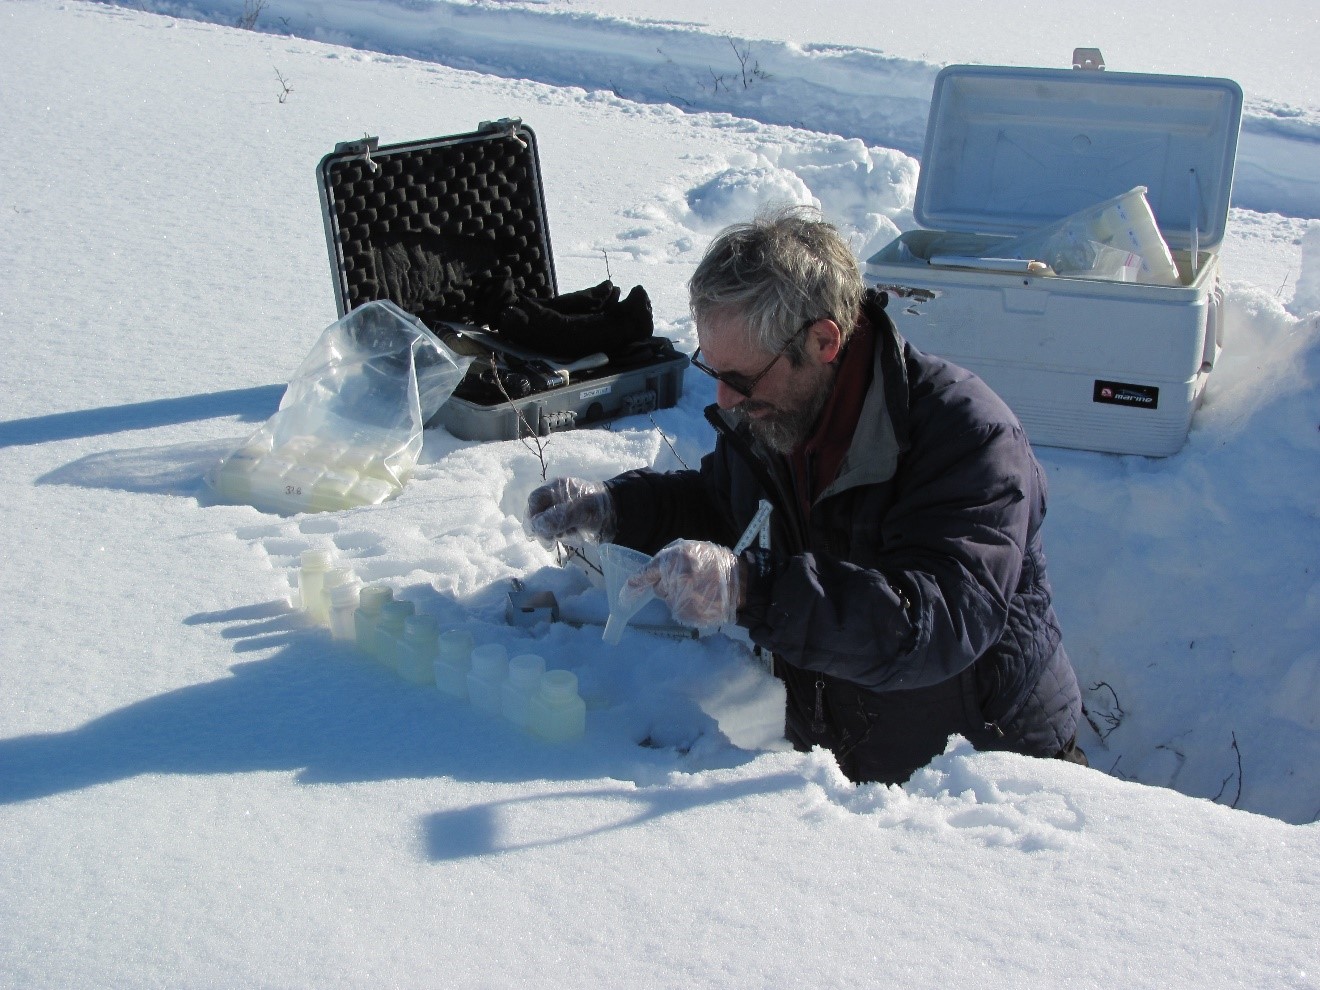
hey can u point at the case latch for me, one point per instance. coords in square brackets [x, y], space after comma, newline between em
[361, 148]
[1089, 59]
[505, 125]
[364, 145]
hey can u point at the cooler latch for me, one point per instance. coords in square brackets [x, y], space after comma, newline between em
[1089, 59]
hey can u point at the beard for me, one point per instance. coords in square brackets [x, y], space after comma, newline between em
[785, 429]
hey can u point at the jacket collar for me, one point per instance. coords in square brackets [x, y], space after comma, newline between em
[881, 434]
[882, 431]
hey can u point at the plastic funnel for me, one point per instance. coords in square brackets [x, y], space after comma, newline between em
[619, 564]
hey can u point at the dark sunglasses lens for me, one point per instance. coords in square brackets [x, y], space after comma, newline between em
[735, 382]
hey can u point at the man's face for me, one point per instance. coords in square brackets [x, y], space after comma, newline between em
[787, 400]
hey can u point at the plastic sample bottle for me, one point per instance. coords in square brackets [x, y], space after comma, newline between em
[234, 478]
[485, 681]
[366, 619]
[330, 492]
[313, 565]
[453, 661]
[415, 658]
[389, 631]
[370, 491]
[522, 684]
[298, 483]
[332, 579]
[556, 712]
[344, 600]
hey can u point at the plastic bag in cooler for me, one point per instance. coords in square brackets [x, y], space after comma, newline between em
[349, 428]
[1117, 239]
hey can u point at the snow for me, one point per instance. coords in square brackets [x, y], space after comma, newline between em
[199, 789]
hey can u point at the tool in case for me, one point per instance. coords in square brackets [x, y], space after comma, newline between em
[1084, 362]
[452, 229]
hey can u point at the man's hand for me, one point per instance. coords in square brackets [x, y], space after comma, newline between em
[699, 581]
[570, 510]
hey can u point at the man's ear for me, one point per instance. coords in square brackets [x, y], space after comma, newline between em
[825, 339]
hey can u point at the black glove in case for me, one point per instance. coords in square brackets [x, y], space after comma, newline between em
[452, 229]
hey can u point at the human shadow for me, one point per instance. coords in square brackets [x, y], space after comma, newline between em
[483, 829]
[248, 404]
[318, 707]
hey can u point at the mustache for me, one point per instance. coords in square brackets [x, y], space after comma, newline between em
[749, 406]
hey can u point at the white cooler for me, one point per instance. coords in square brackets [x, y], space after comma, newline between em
[1084, 362]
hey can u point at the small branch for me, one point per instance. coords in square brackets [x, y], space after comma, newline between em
[1112, 718]
[674, 96]
[531, 439]
[1238, 796]
[573, 551]
[667, 442]
[251, 11]
[607, 264]
[284, 83]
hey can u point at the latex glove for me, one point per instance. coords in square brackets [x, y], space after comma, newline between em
[570, 510]
[699, 582]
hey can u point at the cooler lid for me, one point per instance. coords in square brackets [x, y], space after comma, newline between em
[1010, 149]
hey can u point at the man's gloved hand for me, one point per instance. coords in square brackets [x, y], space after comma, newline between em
[699, 581]
[570, 510]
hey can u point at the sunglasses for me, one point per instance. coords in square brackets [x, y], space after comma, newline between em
[741, 384]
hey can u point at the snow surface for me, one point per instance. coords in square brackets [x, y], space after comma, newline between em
[198, 789]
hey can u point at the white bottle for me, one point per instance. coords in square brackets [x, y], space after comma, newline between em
[311, 579]
[330, 493]
[389, 631]
[331, 580]
[453, 661]
[366, 620]
[557, 713]
[523, 682]
[485, 681]
[415, 659]
[344, 601]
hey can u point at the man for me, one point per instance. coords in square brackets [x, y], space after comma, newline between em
[903, 594]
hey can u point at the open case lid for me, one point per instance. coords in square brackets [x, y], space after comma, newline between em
[437, 226]
[1011, 149]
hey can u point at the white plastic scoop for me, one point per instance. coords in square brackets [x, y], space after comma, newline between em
[619, 564]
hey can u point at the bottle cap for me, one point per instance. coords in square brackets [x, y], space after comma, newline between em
[525, 671]
[421, 626]
[373, 596]
[489, 659]
[559, 685]
[316, 558]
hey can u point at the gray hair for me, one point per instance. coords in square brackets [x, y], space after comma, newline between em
[778, 271]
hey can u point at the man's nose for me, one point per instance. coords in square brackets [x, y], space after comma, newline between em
[728, 398]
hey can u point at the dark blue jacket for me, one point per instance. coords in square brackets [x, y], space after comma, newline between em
[913, 603]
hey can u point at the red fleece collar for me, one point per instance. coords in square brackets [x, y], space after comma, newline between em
[816, 463]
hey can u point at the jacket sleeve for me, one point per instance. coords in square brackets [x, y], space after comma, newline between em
[653, 509]
[943, 564]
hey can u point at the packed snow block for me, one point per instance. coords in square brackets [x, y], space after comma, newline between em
[454, 231]
[1084, 360]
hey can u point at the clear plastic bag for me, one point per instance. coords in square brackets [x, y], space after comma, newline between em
[1116, 240]
[349, 428]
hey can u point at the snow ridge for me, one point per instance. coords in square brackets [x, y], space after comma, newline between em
[851, 91]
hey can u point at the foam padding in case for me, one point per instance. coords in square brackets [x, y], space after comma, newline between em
[440, 227]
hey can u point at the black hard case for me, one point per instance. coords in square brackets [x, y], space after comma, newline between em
[470, 210]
